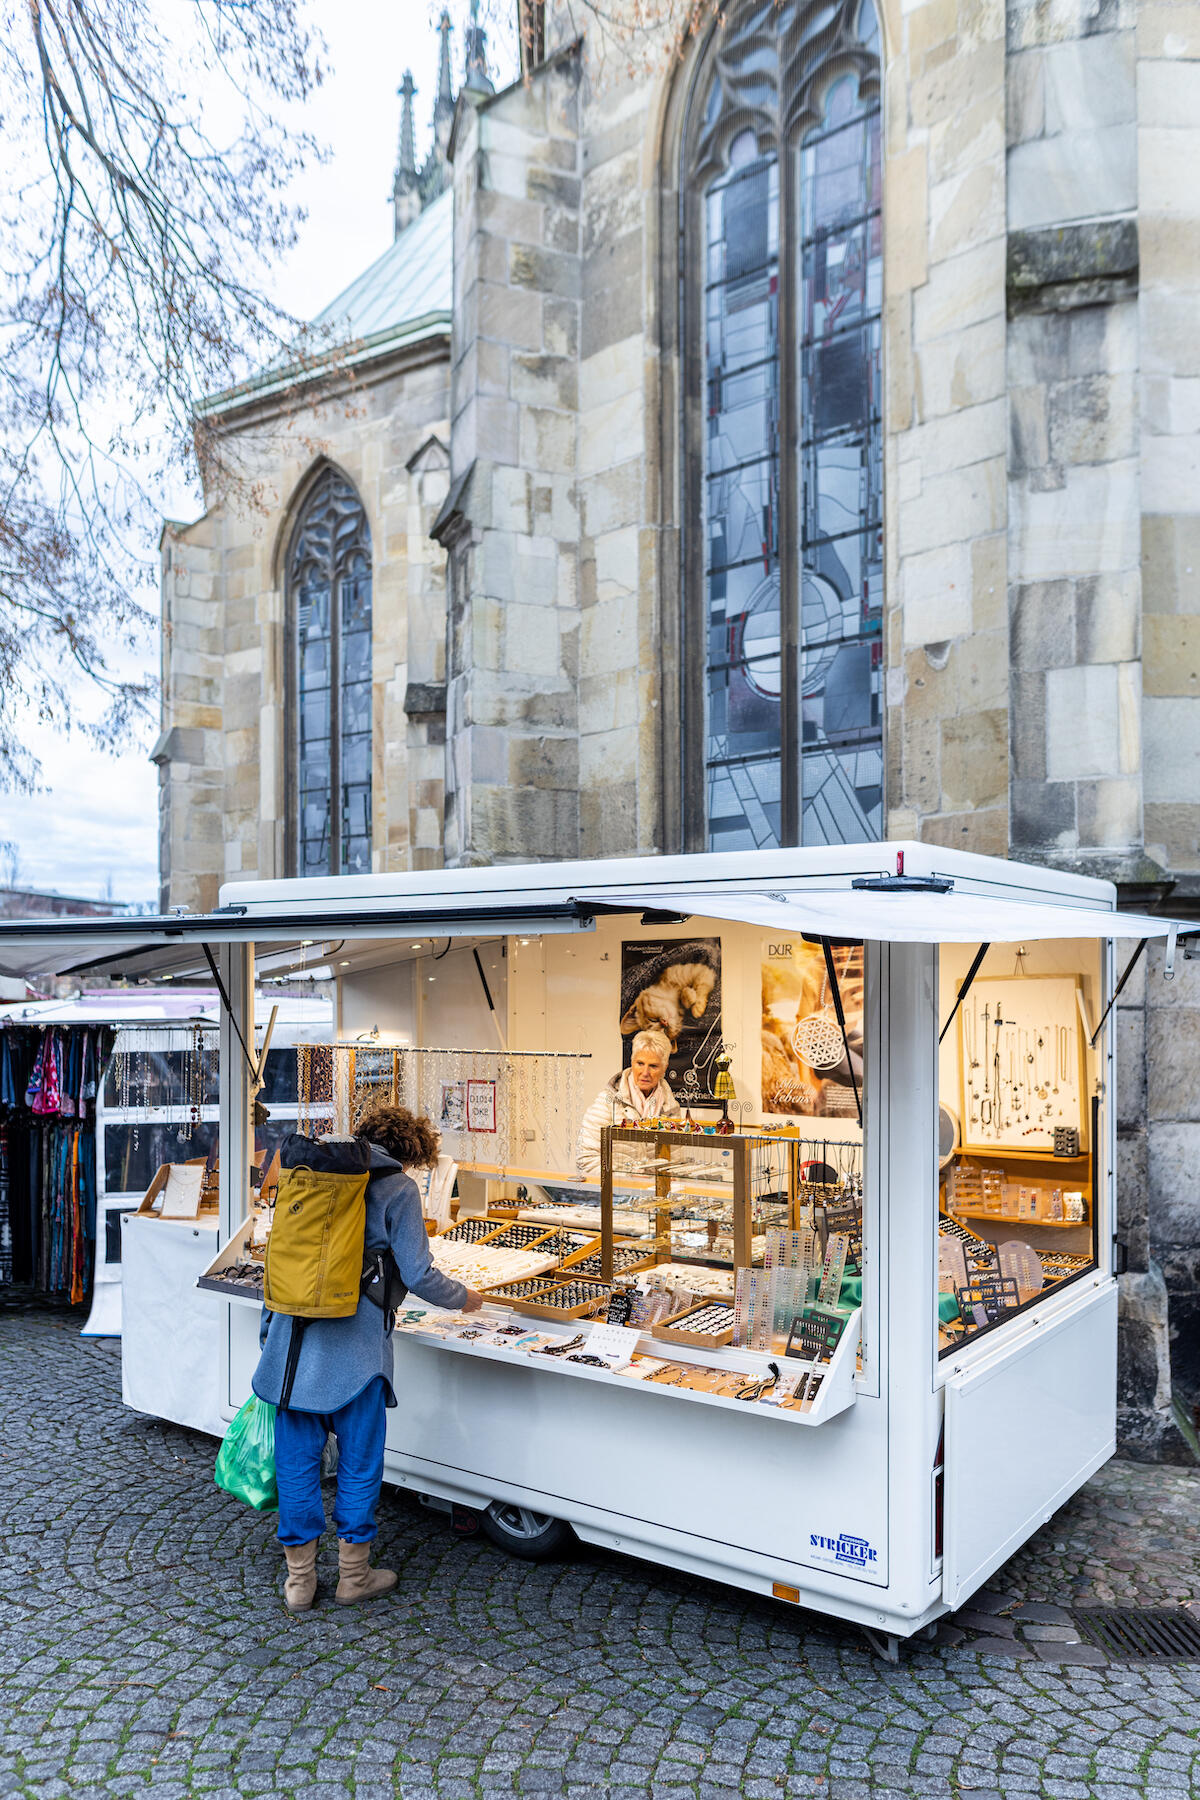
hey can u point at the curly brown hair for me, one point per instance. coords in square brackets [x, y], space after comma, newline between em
[408, 1137]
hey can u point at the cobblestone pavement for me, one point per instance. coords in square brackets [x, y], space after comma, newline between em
[144, 1647]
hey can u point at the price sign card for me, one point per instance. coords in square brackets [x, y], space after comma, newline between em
[614, 1343]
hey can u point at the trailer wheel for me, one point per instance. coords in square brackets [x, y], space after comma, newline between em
[530, 1535]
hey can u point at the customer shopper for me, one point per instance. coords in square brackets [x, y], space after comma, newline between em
[631, 1095]
[343, 1377]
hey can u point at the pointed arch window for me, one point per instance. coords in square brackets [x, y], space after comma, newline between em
[329, 602]
[782, 287]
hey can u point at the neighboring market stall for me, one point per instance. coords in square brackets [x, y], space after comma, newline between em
[844, 1316]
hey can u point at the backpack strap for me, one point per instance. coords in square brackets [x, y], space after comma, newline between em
[295, 1343]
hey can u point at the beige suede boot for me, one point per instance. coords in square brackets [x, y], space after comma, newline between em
[358, 1580]
[300, 1587]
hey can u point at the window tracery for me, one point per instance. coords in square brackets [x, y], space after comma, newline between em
[783, 249]
[329, 589]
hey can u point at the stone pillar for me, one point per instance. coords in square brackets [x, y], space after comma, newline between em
[1074, 577]
[189, 753]
[947, 628]
[511, 522]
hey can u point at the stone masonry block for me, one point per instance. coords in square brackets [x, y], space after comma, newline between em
[1172, 749]
[959, 293]
[966, 209]
[985, 833]
[1172, 836]
[1025, 96]
[936, 590]
[1174, 1179]
[544, 762]
[560, 326]
[1131, 1069]
[1089, 526]
[1042, 625]
[1043, 815]
[974, 761]
[1171, 654]
[1092, 419]
[1108, 618]
[1172, 1062]
[612, 289]
[1082, 725]
[544, 271]
[1109, 814]
[907, 237]
[545, 381]
[1171, 563]
[921, 746]
[509, 314]
[1028, 439]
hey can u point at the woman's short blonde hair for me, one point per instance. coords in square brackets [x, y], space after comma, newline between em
[657, 1041]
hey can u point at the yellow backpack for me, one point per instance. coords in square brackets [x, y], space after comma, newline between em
[314, 1264]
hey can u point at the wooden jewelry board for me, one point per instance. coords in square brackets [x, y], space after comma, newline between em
[1031, 1006]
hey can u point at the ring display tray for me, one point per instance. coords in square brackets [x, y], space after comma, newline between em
[676, 1329]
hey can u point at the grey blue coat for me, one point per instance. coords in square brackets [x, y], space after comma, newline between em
[340, 1356]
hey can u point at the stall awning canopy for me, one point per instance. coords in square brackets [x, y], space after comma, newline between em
[917, 916]
[161, 945]
[157, 946]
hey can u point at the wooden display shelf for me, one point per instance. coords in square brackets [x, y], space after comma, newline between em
[1028, 1156]
[996, 1218]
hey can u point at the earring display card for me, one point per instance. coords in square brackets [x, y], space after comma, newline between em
[987, 1298]
[791, 1249]
[952, 1264]
[815, 1334]
[1023, 1264]
[752, 1310]
[833, 1268]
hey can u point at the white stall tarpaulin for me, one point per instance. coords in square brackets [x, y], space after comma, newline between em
[919, 916]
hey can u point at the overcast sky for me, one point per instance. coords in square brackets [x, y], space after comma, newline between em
[95, 830]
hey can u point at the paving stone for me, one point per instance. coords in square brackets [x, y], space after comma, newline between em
[999, 1646]
[594, 1678]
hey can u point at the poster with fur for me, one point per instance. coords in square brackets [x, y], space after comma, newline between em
[675, 988]
[804, 1067]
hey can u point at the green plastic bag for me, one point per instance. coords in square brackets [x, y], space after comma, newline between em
[246, 1459]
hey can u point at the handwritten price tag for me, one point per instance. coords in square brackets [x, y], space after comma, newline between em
[615, 1343]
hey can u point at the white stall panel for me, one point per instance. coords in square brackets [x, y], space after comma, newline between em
[1023, 1432]
[171, 1336]
[815, 1496]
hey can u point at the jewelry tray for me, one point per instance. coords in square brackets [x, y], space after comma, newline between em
[674, 1330]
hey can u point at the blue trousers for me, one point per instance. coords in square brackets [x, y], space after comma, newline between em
[299, 1441]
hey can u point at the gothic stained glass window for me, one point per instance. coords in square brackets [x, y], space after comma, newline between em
[782, 233]
[329, 585]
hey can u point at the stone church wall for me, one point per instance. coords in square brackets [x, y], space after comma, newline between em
[224, 758]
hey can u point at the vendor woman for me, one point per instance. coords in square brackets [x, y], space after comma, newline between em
[636, 1093]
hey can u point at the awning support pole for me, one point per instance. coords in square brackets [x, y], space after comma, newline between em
[836, 991]
[965, 989]
[251, 1061]
[1131, 965]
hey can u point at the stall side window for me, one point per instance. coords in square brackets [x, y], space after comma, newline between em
[329, 593]
[783, 249]
[1020, 1120]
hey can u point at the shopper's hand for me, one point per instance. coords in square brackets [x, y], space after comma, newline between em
[473, 1301]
